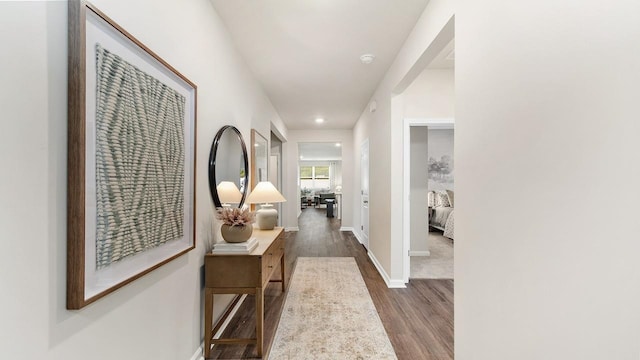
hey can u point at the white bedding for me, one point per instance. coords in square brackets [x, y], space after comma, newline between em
[448, 226]
[442, 218]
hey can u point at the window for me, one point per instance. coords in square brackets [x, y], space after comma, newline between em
[321, 172]
[315, 177]
[306, 172]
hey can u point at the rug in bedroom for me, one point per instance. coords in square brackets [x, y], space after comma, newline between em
[329, 314]
[439, 265]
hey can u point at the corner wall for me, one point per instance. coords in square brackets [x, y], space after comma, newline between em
[384, 129]
[431, 95]
[159, 315]
[547, 180]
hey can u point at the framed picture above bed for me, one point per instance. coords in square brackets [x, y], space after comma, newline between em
[131, 158]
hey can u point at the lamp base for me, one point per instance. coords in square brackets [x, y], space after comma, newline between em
[266, 217]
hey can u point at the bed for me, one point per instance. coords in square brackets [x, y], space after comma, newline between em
[441, 211]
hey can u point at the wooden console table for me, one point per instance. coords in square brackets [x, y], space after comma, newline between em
[242, 274]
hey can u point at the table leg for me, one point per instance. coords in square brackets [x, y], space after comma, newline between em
[259, 320]
[208, 321]
[282, 271]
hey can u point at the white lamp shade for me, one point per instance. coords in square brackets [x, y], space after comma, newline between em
[228, 193]
[265, 192]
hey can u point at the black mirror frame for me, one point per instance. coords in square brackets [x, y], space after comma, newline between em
[212, 165]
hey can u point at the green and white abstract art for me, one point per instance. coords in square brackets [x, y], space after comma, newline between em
[140, 160]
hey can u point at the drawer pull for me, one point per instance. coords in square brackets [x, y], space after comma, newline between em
[270, 266]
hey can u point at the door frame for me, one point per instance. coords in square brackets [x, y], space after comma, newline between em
[433, 123]
[365, 239]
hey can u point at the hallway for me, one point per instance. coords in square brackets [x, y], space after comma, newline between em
[418, 319]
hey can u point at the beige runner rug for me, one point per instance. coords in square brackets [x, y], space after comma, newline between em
[329, 314]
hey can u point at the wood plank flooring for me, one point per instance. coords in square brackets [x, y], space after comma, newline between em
[418, 319]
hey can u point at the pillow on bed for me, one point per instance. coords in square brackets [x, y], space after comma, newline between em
[442, 199]
[450, 196]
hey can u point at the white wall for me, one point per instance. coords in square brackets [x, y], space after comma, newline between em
[384, 130]
[547, 186]
[159, 315]
[431, 95]
[418, 194]
[291, 157]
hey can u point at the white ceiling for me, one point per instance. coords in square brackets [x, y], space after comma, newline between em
[306, 53]
[319, 151]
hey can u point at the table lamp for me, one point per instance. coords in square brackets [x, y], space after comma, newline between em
[228, 193]
[265, 194]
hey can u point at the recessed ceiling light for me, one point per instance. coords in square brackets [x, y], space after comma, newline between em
[367, 58]
[319, 120]
[256, 144]
[338, 144]
[301, 157]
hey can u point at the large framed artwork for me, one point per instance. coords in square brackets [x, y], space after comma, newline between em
[131, 158]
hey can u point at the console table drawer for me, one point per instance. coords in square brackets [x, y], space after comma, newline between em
[271, 259]
[226, 271]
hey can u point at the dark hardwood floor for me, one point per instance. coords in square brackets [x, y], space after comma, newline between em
[418, 319]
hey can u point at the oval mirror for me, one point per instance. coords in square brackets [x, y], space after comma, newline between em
[228, 168]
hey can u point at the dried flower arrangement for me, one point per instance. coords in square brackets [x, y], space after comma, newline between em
[235, 216]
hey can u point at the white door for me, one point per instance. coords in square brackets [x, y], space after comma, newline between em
[364, 194]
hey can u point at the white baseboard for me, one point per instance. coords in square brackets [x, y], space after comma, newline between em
[397, 284]
[358, 236]
[292, 228]
[346, 228]
[419, 253]
[199, 354]
[390, 283]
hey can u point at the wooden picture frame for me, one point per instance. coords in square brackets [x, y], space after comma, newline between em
[131, 158]
[259, 160]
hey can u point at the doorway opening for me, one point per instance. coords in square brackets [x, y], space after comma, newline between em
[320, 182]
[429, 170]
[432, 198]
[275, 168]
